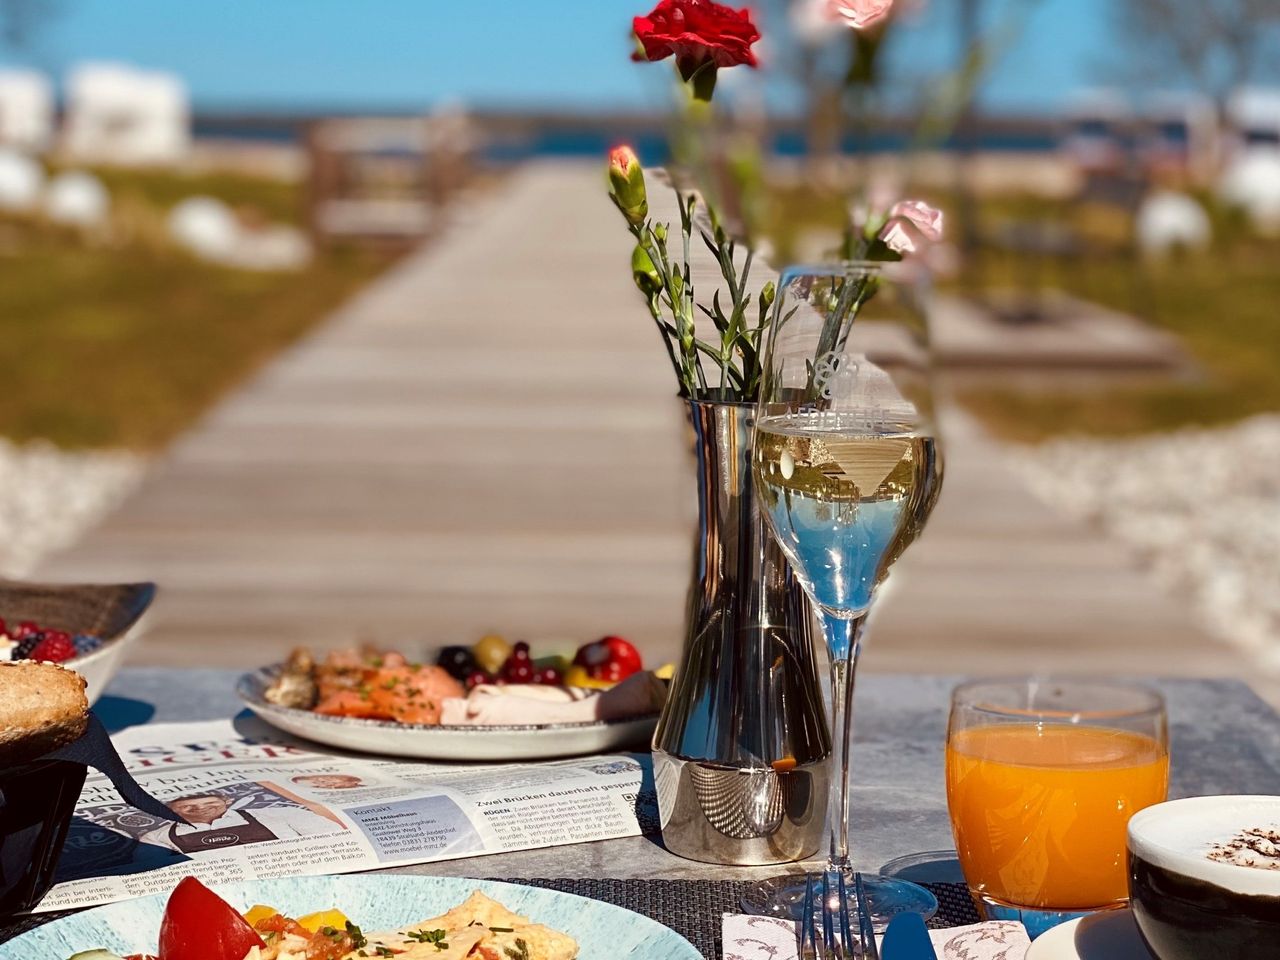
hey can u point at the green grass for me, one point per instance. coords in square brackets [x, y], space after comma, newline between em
[123, 342]
[1223, 305]
[1225, 308]
[273, 199]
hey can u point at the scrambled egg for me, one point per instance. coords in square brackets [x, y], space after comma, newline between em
[478, 929]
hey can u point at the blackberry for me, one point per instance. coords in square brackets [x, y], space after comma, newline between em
[26, 645]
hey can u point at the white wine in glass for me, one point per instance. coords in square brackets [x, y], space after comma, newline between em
[847, 470]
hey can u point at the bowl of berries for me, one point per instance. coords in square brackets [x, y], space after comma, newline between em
[84, 627]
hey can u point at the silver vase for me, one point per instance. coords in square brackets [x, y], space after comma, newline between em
[740, 753]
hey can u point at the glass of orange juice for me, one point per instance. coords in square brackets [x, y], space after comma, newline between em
[1042, 778]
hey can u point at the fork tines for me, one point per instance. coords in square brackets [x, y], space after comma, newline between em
[826, 932]
[866, 931]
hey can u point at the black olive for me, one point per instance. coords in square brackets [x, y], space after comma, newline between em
[458, 662]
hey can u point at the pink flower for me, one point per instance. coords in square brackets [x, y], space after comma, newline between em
[859, 14]
[898, 238]
[907, 218]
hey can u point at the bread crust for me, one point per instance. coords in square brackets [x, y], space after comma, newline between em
[42, 707]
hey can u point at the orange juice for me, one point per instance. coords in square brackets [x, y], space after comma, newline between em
[1039, 811]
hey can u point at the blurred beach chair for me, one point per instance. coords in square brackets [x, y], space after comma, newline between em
[26, 110]
[119, 114]
[385, 180]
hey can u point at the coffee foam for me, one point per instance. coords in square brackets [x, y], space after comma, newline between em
[1180, 835]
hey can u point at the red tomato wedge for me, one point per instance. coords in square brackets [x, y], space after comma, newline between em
[199, 925]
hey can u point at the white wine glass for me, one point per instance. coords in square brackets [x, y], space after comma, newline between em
[847, 469]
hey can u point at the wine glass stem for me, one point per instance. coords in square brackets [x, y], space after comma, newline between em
[844, 637]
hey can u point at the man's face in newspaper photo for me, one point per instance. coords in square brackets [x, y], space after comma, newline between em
[201, 809]
[330, 781]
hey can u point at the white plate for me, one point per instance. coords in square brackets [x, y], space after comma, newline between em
[374, 903]
[439, 742]
[1110, 935]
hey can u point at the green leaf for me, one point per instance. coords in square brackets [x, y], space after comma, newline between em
[722, 322]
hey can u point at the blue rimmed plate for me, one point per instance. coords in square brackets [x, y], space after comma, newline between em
[373, 902]
[534, 741]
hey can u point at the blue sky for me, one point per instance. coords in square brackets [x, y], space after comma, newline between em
[555, 53]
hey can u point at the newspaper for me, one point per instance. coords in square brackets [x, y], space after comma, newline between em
[262, 805]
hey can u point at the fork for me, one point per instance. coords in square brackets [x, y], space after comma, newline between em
[836, 940]
[866, 931]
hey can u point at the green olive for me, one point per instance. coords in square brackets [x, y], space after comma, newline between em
[559, 661]
[491, 653]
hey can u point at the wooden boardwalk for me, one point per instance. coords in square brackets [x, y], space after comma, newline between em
[486, 439]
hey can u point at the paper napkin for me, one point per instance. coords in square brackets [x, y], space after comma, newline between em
[769, 938]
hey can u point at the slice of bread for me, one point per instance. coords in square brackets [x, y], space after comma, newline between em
[42, 707]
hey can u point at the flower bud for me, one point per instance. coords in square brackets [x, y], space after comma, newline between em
[767, 293]
[644, 273]
[660, 232]
[626, 185]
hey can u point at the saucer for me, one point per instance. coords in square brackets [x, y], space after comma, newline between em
[1109, 935]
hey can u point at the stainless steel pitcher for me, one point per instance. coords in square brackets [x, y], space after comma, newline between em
[740, 753]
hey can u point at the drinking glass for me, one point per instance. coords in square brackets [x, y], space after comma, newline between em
[1042, 778]
[847, 470]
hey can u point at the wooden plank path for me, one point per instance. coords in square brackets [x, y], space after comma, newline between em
[486, 439]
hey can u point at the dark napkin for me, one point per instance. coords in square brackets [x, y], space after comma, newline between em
[95, 749]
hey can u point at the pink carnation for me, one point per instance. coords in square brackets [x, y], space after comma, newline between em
[919, 216]
[898, 238]
[860, 14]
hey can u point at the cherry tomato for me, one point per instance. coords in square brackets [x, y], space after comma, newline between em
[199, 925]
[610, 659]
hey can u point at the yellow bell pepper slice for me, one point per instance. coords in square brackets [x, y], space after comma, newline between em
[313, 922]
[258, 912]
[578, 677]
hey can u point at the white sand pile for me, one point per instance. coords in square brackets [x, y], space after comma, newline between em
[49, 498]
[1201, 506]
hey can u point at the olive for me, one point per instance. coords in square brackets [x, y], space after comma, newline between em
[458, 662]
[491, 652]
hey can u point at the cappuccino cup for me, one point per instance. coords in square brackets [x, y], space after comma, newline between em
[1204, 877]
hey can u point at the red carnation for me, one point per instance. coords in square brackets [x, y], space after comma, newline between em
[696, 32]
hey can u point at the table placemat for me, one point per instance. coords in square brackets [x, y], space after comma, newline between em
[692, 908]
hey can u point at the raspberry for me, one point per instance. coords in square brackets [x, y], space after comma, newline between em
[55, 646]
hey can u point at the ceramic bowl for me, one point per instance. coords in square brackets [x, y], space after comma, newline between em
[114, 612]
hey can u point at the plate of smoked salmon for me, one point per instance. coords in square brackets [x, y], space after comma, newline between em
[377, 701]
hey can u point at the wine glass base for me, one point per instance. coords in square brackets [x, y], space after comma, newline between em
[886, 898]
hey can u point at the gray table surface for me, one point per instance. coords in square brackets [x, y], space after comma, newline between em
[1224, 740]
